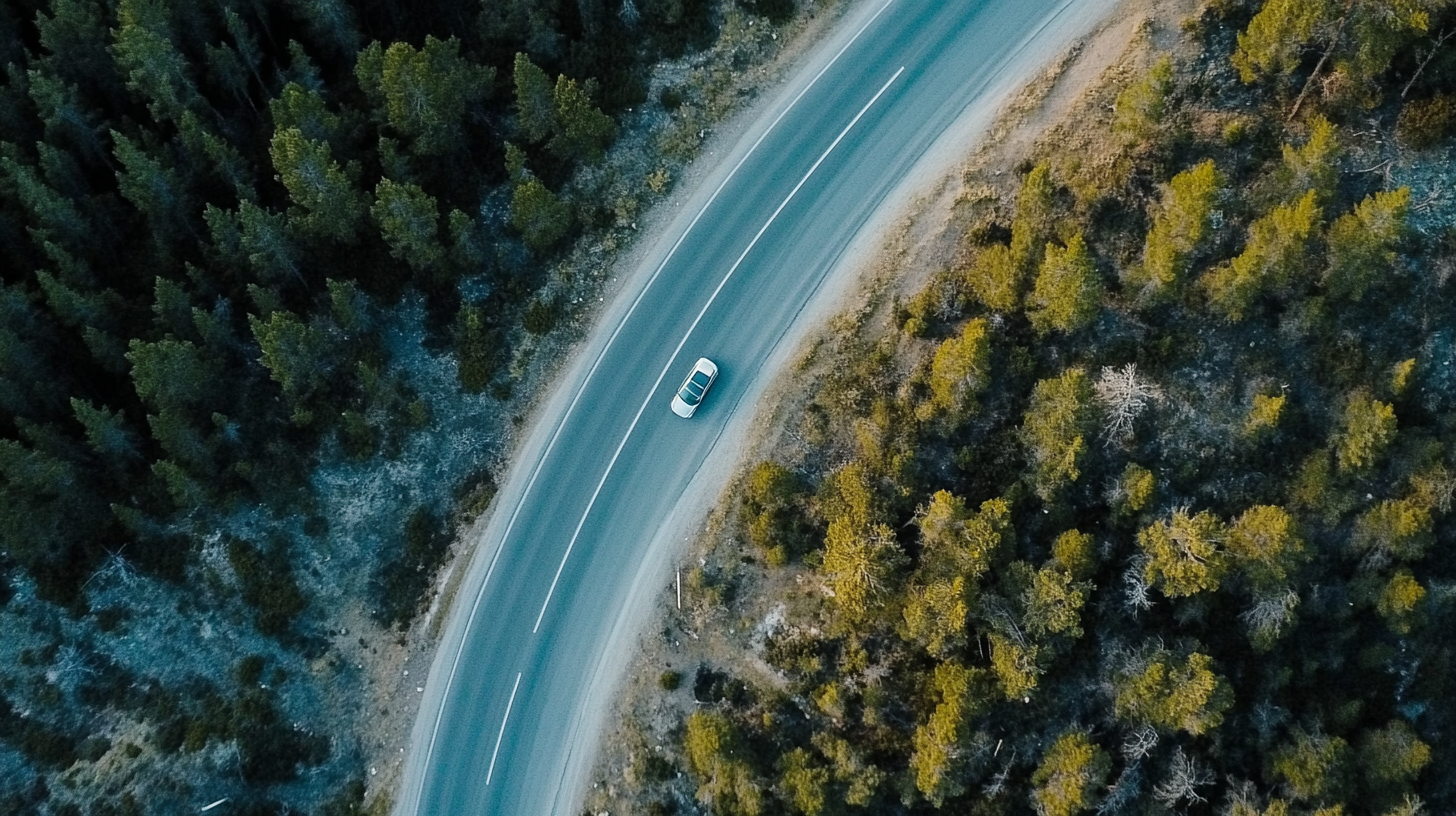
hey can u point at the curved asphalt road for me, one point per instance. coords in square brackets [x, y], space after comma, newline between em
[515, 696]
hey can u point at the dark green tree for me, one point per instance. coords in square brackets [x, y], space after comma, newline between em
[425, 94]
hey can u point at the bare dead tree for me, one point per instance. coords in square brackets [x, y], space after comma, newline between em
[1435, 49]
[1185, 775]
[1139, 742]
[1124, 396]
[997, 785]
[1271, 612]
[71, 667]
[1124, 792]
[1136, 587]
[1325, 57]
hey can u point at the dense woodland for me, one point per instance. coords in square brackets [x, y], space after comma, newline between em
[1143, 506]
[210, 214]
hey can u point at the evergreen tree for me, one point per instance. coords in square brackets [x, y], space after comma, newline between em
[1362, 243]
[297, 356]
[151, 187]
[1068, 292]
[1055, 428]
[1172, 694]
[425, 94]
[1140, 110]
[1181, 226]
[540, 217]
[961, 368]
[1313, 166]
[326, 201]
[410, 222]
[172, 375]
[1185, 554]
[304, 110]
[938, 753]
[535, 101]
[1272, 259]
[1265, 544]
[1368, 428]
[146, 54]
[582, 132]
[1070, 776]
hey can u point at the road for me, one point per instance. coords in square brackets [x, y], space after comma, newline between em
[588, 523]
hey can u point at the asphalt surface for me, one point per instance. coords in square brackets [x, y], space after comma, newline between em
[533, 648]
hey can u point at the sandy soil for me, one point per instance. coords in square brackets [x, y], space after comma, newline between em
[908, 243]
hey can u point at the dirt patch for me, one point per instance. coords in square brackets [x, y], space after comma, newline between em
[729, 603]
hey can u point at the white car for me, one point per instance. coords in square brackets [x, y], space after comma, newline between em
[690, 394]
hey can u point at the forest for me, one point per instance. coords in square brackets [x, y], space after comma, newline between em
[1142, 505]
[212, 217]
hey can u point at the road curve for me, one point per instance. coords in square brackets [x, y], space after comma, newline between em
[578, 543]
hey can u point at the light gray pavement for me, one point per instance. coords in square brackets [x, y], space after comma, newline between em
[591, 513]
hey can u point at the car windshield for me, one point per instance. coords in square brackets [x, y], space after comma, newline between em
[692, 390]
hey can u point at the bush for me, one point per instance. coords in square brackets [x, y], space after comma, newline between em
[1427, 122]
[404, 581]
[671, 97]
[266, 582]
[670, 680]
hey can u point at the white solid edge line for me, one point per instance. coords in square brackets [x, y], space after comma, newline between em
[673, 358]
[455, 663]
[498, 737]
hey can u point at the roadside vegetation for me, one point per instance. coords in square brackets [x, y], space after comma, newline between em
[276, 280]
[1142, 505]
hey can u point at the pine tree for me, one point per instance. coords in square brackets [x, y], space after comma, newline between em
[302, 109]
[1140, 110]
[1068, 291]
[425, 94]
[1398, 601]
[1394, 753]
[171, 374]
[67, 118]
[1071, 773]
[1054, 430]
[1313, 166]
[1362, 243]
[1368, 428]
[540, 217]
[51, 210]
[327, 203]
[535, 101]
[1266, 545]
[151, 187]
[106, 431]
[1313, 767]
[1172, 694]
[1181, 226]
[410, 222]
[1275, 39]
[1394, 528]
[937, 743]
[999, 275]
[155, 70]
[331, 22]
[935, 615]
[804, 782]
[960, 543]
[297, 356]
[582, 132]
[961, 368]
[1185, 554]
[1272, 259]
